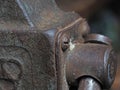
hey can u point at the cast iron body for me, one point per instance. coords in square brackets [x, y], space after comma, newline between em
[45, 48]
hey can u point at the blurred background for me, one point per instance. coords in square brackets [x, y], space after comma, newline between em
[103, 17]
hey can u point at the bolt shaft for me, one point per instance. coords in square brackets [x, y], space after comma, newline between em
[89, 84]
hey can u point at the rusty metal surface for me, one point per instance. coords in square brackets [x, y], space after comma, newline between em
[97, 38]
[27, 43]
[77, 58]
[42, 14]
[92, 60]
[70, 33]
[25, 59]
[116, 84]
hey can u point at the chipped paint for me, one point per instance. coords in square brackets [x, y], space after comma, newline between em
[90, 86]
[72, 45]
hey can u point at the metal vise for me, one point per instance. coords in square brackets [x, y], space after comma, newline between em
[45, 48]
